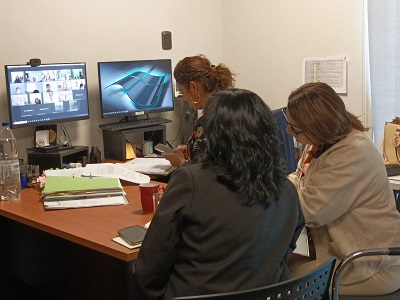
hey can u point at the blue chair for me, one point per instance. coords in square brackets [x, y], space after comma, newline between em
[287, 147]
[313, 285]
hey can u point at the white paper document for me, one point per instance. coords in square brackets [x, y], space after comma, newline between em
[115, 171]
[122, 242]
[330, 70]
[73, 172]
[89, 202]
[302, 244]
[153, 166]
[395, 178]
[102, 170]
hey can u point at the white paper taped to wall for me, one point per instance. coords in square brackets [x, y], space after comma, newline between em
[330, 70]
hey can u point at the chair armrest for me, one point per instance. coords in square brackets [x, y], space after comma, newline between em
[348, 259]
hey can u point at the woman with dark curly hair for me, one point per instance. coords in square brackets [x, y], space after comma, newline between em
[229, 222]
[344, 191]
[198, 80]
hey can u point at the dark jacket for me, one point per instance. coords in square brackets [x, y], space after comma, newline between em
[202, 240]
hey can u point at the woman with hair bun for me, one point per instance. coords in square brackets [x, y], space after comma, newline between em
[198, 80]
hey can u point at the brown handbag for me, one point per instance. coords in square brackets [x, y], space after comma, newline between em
[391, 142]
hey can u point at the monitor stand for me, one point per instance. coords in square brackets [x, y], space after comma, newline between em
[129, 119]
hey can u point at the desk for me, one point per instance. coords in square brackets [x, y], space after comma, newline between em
[69, 253]
[395, 184]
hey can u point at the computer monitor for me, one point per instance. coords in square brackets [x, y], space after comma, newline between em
[46, 94]
[132, 88]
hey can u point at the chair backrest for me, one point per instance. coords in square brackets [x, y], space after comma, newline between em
[287, 147]
[313, 285]
[348, 259]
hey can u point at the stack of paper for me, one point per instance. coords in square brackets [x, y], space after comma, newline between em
[153, 166]
[72, 192]
[102, 170]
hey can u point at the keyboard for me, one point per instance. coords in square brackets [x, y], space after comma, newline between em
[132, 124]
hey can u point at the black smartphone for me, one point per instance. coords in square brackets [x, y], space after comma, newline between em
[133, 235]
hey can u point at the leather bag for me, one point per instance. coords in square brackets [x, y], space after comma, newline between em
[391, 142]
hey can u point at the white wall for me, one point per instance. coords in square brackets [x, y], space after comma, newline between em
[263, 41]
[92, 31]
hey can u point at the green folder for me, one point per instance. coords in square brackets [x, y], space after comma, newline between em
[80, 185]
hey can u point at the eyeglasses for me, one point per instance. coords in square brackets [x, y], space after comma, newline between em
[296, 132]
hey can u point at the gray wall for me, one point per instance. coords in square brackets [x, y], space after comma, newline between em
[263, 41]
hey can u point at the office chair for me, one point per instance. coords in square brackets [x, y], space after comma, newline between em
[287, 143]
[313, 285]
[348, 259]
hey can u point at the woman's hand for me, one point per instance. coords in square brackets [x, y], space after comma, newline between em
[177, 159]
[183, 148]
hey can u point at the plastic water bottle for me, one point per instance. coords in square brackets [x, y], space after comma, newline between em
[10, 184]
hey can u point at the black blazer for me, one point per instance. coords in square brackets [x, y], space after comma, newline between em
[201, 240]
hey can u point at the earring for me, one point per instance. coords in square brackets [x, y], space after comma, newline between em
[195, 102]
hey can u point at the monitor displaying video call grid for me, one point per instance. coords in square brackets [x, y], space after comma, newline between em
[46, 94]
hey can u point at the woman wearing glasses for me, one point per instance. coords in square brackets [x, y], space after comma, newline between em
[344, 191]
[198, 80]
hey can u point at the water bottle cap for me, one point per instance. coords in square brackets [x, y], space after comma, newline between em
[5, 124]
